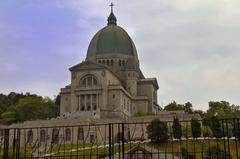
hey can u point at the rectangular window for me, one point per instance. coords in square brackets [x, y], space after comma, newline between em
[94, 101]
[88, 102]
[82, 102]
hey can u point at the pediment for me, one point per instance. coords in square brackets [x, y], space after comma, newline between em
[86, 65]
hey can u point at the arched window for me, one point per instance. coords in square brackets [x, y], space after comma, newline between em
[42, 135]
[68, 134]
[29, 136]
[88, 81]
[84, 82]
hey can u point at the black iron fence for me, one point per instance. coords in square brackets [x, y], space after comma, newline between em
[207, 139]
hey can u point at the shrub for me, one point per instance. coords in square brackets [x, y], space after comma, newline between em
[196, 128]
[157, 131]
[177, 129]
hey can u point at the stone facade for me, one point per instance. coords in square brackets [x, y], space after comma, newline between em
[109, 83]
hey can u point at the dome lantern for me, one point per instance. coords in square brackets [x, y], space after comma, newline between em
[112, 18]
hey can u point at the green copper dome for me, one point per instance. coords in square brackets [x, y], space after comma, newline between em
[111, 40]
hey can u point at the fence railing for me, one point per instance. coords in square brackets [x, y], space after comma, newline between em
[207, 139]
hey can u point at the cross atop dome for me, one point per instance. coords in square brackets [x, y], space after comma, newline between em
[112, 20]
[111, 5]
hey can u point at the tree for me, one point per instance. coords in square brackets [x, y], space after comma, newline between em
[158, 132]
[177, 129]
[173, 106]
[196, 128]
[4, 103]
[188, 108]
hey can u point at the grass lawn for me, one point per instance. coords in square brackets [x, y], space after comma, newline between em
[198, 147]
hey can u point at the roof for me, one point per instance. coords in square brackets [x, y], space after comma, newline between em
[149, 80]
[112, 39]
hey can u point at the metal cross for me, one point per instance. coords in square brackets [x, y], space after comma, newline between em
[111, 5]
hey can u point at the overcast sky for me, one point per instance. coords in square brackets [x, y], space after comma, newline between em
[191, 46]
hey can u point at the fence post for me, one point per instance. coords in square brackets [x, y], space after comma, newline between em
[6, 143]
[18, 144]
[123, 138]
[110, 140]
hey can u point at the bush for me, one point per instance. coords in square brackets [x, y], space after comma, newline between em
[196, 128]
[158, 132]
[177, 129]
[216, 127]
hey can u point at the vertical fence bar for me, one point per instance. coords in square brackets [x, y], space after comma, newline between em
[224, 135]
[14, 144]
[109, 140]
[228, 136]
[123, 142]
[119, 141]
[18, 144]
[236, 135]
[6, 144]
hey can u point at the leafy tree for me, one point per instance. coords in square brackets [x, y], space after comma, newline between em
[4, 103]
[158, 132]
[173, 106]
[177, 129]
[196, 128]
[188, 107]
[8, 117]
[222, 109]
[14, 97]
[58, 100]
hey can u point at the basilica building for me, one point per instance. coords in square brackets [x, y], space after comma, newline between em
[107, 88]
[109, 83]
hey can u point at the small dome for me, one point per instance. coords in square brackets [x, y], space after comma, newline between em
[110, 40]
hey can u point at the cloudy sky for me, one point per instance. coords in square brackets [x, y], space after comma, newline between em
[191, 46]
